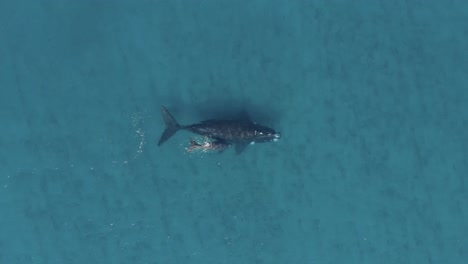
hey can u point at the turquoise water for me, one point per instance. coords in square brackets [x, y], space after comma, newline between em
[371, 98]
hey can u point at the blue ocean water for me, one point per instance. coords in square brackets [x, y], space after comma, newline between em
[371, 98]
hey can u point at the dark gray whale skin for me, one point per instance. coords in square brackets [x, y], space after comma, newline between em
[233, 132]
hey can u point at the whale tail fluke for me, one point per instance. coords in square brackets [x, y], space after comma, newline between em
[171, 126]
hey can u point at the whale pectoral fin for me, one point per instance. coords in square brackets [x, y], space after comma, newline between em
[240, 147]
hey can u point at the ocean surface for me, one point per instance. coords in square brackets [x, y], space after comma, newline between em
[371, 99]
